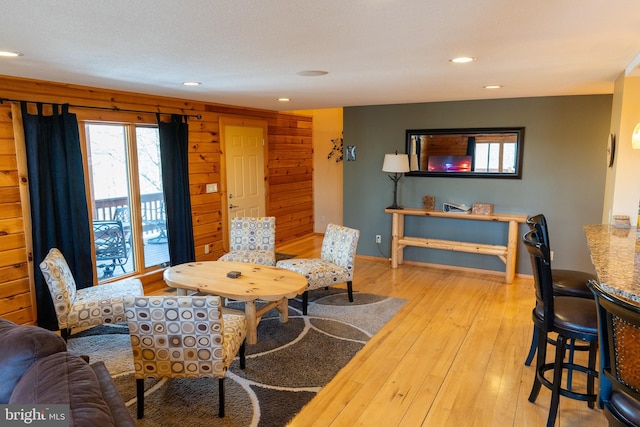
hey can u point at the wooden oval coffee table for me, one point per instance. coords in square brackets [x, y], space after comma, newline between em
[256, 283]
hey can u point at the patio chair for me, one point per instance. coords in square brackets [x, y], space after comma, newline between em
[252, 240]
[111, 245]
[335, 265]
[154, 219]
[84, 307]
[184, 337]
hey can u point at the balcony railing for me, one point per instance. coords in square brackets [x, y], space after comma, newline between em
[152, 209]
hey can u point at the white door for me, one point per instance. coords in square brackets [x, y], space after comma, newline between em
[244, 160]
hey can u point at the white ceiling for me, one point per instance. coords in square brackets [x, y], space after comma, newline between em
[247, 52]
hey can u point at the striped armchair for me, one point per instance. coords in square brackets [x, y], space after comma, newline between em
[91, 306]
[183, 337]
[335, 265]
[252, 240]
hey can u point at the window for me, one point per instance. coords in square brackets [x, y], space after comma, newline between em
[495, 157]
[126, 198]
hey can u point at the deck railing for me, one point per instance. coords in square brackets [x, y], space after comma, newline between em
[152, 205]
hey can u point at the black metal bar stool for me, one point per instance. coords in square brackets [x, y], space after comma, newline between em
[570, 318]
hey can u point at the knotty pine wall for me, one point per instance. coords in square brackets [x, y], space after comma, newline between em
[289, 175]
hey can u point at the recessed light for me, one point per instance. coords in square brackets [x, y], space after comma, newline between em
[284, 99]
[493, 86]
[191, 83]
[9, 54]
[462, 59]
[312, 73]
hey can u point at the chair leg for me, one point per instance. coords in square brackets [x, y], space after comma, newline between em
[65, 333]
[140, 397]
[242, 358]
[350, 290]
[221, 394]
[305, 302]
[593, 349]
[572, 345]
[542, 355]
[557, 381]
[534, 346]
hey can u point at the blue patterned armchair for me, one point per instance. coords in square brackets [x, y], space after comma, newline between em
[184, 337]
[335, 265]
[252, 240]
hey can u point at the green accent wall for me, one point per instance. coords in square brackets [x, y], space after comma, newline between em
[564, 168]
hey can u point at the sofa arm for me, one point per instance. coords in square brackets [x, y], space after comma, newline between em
[20, 346]
[112, 397]
[65, 378]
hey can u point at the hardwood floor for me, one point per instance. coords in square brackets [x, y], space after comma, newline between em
[452, 356]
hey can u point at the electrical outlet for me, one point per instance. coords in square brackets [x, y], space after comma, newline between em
[551, 255]
[378, 238]
[206, 249]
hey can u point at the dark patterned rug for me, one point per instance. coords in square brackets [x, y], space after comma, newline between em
[286, 368]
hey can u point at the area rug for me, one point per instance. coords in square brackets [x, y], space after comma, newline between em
[286, 368]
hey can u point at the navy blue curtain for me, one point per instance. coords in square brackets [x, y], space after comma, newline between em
[174, 160]
[59, 214]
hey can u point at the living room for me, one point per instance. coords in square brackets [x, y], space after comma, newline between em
[564, 173]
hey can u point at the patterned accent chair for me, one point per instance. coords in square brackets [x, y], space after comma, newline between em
[252, 240]
[184, 337]
[335, 265]
[91, 306]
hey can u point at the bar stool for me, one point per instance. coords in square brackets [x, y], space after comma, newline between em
[570, 283]
[619, 328]
[570, 318]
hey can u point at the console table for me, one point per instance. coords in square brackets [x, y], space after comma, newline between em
[506, 253]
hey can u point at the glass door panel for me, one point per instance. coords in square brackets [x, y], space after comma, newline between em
[108, 165]
[152, 211]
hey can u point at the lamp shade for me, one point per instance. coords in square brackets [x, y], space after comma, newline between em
[398, 163]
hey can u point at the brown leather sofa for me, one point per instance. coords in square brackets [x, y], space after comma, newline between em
[36, 368]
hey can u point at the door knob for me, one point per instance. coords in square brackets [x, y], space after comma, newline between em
[231, 206]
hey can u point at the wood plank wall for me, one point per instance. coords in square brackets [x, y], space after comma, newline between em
[289, 175]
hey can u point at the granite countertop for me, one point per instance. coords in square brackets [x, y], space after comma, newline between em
[615, 254]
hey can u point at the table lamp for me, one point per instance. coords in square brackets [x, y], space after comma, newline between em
[398, 164]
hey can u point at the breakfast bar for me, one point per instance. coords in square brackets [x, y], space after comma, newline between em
[615, 254]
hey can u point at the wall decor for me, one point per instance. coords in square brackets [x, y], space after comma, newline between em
[611, 150]
[351, 153]
[337, 151]
[469, 152]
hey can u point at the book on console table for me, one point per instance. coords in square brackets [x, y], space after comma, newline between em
[451, 207]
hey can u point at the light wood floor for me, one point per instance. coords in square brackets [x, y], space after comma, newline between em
[453, 355]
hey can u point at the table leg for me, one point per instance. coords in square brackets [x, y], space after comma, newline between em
[181, 292]
[252, 322]
[283, 308]
[396, 232]
[512, 247]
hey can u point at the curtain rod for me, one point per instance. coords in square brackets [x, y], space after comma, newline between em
[197, 116]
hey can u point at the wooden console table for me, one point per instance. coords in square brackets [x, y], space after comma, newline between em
[506, 253]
